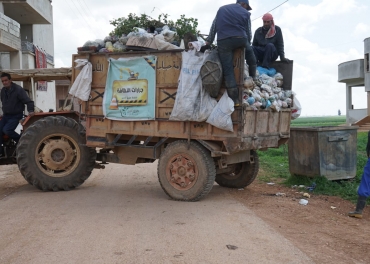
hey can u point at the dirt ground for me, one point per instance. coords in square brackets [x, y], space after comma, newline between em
[320, 229]
[10, 180]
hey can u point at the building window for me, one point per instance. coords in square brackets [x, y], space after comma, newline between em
[367, 63]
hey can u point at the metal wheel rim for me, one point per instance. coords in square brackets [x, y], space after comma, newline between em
[66, 163]
[182, 172]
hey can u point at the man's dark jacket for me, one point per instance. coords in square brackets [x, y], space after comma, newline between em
[14, 99]
[260, 40]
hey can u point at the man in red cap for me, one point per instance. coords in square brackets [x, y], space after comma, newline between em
[268, 42]
[233, 27]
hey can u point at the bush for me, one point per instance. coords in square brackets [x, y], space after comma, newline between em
[125, 25]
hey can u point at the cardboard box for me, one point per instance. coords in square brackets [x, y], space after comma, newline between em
[143, 42]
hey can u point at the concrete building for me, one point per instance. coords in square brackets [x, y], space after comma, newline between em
[356, 75]
[25, 24]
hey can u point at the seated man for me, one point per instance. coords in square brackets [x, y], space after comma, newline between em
[268, 42]
[13, 99]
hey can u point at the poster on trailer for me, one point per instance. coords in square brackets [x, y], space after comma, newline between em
[130, 89]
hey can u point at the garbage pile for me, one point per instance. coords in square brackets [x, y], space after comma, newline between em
[161, 39]
[265, 91]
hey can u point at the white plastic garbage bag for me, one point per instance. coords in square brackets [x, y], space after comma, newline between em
[195, 45]
[221, 114]
[192, 102]
[296, 109]
[162, 44]
[81, 87]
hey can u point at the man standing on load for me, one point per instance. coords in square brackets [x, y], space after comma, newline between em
[268, 42]
[233, 27]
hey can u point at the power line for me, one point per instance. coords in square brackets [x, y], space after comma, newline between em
[82, 16]
[88, 8]
[84, 11]
[271, 10]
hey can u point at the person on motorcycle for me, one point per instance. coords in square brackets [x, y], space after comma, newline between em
[13, 99]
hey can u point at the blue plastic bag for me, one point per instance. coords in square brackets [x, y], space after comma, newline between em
[270, 72]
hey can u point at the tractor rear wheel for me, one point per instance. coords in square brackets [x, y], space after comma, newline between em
[241, 174]
[51, 154]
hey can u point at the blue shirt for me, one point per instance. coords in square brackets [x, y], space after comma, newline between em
[231, 21]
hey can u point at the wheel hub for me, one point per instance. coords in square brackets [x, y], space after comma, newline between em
[57, 154]
[182, 173]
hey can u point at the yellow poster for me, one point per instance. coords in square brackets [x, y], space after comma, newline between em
[130, 92]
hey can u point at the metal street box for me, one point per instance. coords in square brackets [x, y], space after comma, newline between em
[323, 151]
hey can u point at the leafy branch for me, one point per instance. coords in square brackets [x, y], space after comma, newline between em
[125, 25]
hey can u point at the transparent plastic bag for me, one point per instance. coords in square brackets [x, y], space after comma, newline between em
[123, 40]
[139, 30]
[275, 106]
[266, 88]
[119, 47]
[246, 71]
[278, 76]
[248, 83]
[168, 34]
[109, 46]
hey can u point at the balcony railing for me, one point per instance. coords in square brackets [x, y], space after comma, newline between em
[28, 46]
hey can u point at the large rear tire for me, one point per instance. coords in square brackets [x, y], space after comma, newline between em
[241, 175]
[51, 154]
[186, 173]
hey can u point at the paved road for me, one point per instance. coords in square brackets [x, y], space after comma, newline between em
[121, 215]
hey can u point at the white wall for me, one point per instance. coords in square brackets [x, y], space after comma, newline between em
[46, 100]
[28, 61]
[44, 38]
[356, 115]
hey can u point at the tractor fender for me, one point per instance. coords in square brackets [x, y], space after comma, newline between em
[29, 120]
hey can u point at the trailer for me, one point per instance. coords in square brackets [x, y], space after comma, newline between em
[59, 150]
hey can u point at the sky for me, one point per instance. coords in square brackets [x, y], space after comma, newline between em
[318, 36]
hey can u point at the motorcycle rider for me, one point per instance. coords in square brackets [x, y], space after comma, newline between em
[13, 98]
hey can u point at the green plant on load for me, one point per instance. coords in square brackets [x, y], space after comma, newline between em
[185, 25]
[125, 25]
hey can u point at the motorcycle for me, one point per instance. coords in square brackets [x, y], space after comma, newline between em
[9, 150]
[10, 155]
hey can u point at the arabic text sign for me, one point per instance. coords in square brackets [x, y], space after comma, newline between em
[130, 89]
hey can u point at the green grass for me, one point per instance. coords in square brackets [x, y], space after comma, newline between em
[319, 121]
[274, 164]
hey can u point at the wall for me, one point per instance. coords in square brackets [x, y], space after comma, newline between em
[43, 37]
[27, 33]
[46, 100]
[28, 60]
[356, 115]
[43, 7]
[9, 25]
[4, 61]
[367, 64]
